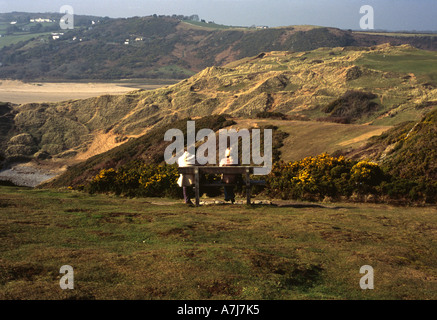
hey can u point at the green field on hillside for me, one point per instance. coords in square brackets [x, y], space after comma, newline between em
[15, 38]
[154, 248]
[419, 62]
[210, 25]
[398, 34]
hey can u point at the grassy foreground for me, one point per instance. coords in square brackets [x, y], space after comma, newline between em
[160, 249]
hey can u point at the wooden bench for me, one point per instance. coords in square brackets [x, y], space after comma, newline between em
[237, 170]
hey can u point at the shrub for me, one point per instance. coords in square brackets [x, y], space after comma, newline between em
[353, 105]
[325, 176]
[315, 178]
[159, 181]
[366, 176]
[139, 179]
[271, 115]
[311, 178]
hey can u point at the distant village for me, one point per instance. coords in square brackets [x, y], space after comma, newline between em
[54, 35]
[133, 38]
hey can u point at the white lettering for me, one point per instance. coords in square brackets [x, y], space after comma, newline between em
[174, 150]
[67, 21]
[367, 21]
[366, 282]
[67, 281]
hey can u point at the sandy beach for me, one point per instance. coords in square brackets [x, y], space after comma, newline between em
[26, 92]
[28, 174]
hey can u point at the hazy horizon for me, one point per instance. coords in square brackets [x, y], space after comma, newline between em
[391, 15]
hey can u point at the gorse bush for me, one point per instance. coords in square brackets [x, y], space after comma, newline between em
[312, 179]
[147, 180]
[366, 176]
[315, 178]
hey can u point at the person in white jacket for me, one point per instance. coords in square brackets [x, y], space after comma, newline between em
[186, 180]
[229, 178]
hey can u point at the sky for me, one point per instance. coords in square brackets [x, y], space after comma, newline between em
[393, 15]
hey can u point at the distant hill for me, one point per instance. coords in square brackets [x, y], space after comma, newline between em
[374, 87]
[36, 28]
[24, 21]
[155, 46]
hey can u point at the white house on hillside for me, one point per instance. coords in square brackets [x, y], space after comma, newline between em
[39, 20]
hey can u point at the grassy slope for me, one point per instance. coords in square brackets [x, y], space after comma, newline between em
[408, 150]
[311, 138]
[209, 26]
[141, 249]
[9, 40]
[420, 63]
